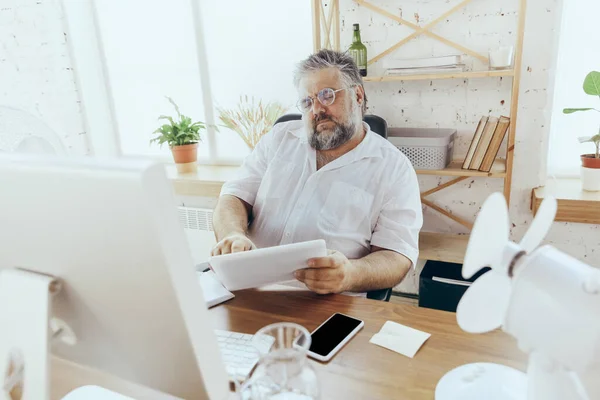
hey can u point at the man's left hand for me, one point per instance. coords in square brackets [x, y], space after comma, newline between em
[330, 274]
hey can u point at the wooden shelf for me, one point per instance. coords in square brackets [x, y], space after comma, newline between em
[448, 247]
[574, 204]
[454, 169]
[427, 77]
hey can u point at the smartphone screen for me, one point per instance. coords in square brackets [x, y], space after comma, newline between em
[330, 334]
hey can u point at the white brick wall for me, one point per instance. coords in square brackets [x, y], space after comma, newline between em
[35, 68]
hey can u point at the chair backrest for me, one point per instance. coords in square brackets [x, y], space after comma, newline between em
[288, 117]
[377, 124]
[381, 294]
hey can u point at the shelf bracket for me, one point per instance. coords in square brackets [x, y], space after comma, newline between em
[326, 25]
[439, 209]
[425, 30]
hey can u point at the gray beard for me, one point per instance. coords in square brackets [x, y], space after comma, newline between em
[342, 133]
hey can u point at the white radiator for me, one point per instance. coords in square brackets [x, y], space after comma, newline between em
[198, 226]
[200, 219]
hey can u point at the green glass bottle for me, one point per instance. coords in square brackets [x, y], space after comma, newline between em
[358, 51]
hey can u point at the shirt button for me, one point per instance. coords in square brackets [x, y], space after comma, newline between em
[301, 205]
[287, 234]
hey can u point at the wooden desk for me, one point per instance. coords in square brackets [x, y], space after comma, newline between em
[360, 370]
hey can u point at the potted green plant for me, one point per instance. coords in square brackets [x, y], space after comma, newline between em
[590, 163]
[251, 120]
[182, 136]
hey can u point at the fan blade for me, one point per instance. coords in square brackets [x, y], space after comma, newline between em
[540, 226]
[488, 237]
[483, 307]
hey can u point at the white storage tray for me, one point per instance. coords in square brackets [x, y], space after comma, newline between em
[426, 148]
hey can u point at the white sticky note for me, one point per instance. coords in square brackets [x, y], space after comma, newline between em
[400, 338]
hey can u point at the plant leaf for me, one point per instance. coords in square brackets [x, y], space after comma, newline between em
[590, 139]
[170, 119]
[591, 85]
[573, 110]
[179, 132]
[252, 119]
[174, 105]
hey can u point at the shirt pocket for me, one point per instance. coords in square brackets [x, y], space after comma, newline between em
[275, 184]
[347, 208]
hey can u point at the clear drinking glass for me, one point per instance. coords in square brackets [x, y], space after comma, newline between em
[501, 58]
[283, 371]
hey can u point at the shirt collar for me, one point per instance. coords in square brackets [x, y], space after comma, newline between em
[369, 147]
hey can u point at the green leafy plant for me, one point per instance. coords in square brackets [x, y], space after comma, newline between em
[591, 86]
[177, 132]
[251, 120]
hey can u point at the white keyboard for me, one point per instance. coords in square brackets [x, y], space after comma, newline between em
[240, 354]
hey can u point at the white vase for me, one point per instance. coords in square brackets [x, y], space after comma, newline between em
[590, 179]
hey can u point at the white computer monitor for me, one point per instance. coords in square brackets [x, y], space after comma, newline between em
[110, 232]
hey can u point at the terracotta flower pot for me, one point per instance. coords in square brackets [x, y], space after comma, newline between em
[590, 161]
[185, 154]
[185, 157]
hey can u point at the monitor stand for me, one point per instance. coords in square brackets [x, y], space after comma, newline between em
[24, 337]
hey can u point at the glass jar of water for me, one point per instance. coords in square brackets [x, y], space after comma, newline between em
[283, 371]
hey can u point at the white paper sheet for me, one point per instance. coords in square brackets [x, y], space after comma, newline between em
[214, 292]
[400, 338]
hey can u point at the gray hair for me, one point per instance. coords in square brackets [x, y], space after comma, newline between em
[325, 58]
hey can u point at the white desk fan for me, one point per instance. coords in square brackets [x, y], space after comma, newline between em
[548, 300]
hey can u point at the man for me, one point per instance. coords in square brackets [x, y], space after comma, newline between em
[327, 177]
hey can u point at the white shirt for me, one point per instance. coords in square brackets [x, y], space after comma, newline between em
[367, 197]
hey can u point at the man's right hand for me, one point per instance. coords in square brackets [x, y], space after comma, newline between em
[233, 243]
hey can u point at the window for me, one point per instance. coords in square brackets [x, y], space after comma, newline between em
[578, 55]
[149, 51]
[252, 49]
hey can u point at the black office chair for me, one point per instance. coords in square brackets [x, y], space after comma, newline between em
[381, 294]
[288, 117]
[377, 124]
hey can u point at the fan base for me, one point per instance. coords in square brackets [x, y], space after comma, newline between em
[482, 381]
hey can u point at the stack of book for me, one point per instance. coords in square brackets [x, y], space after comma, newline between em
[486, 142]
[429, 65]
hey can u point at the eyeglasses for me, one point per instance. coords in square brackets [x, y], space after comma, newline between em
[325, 96]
